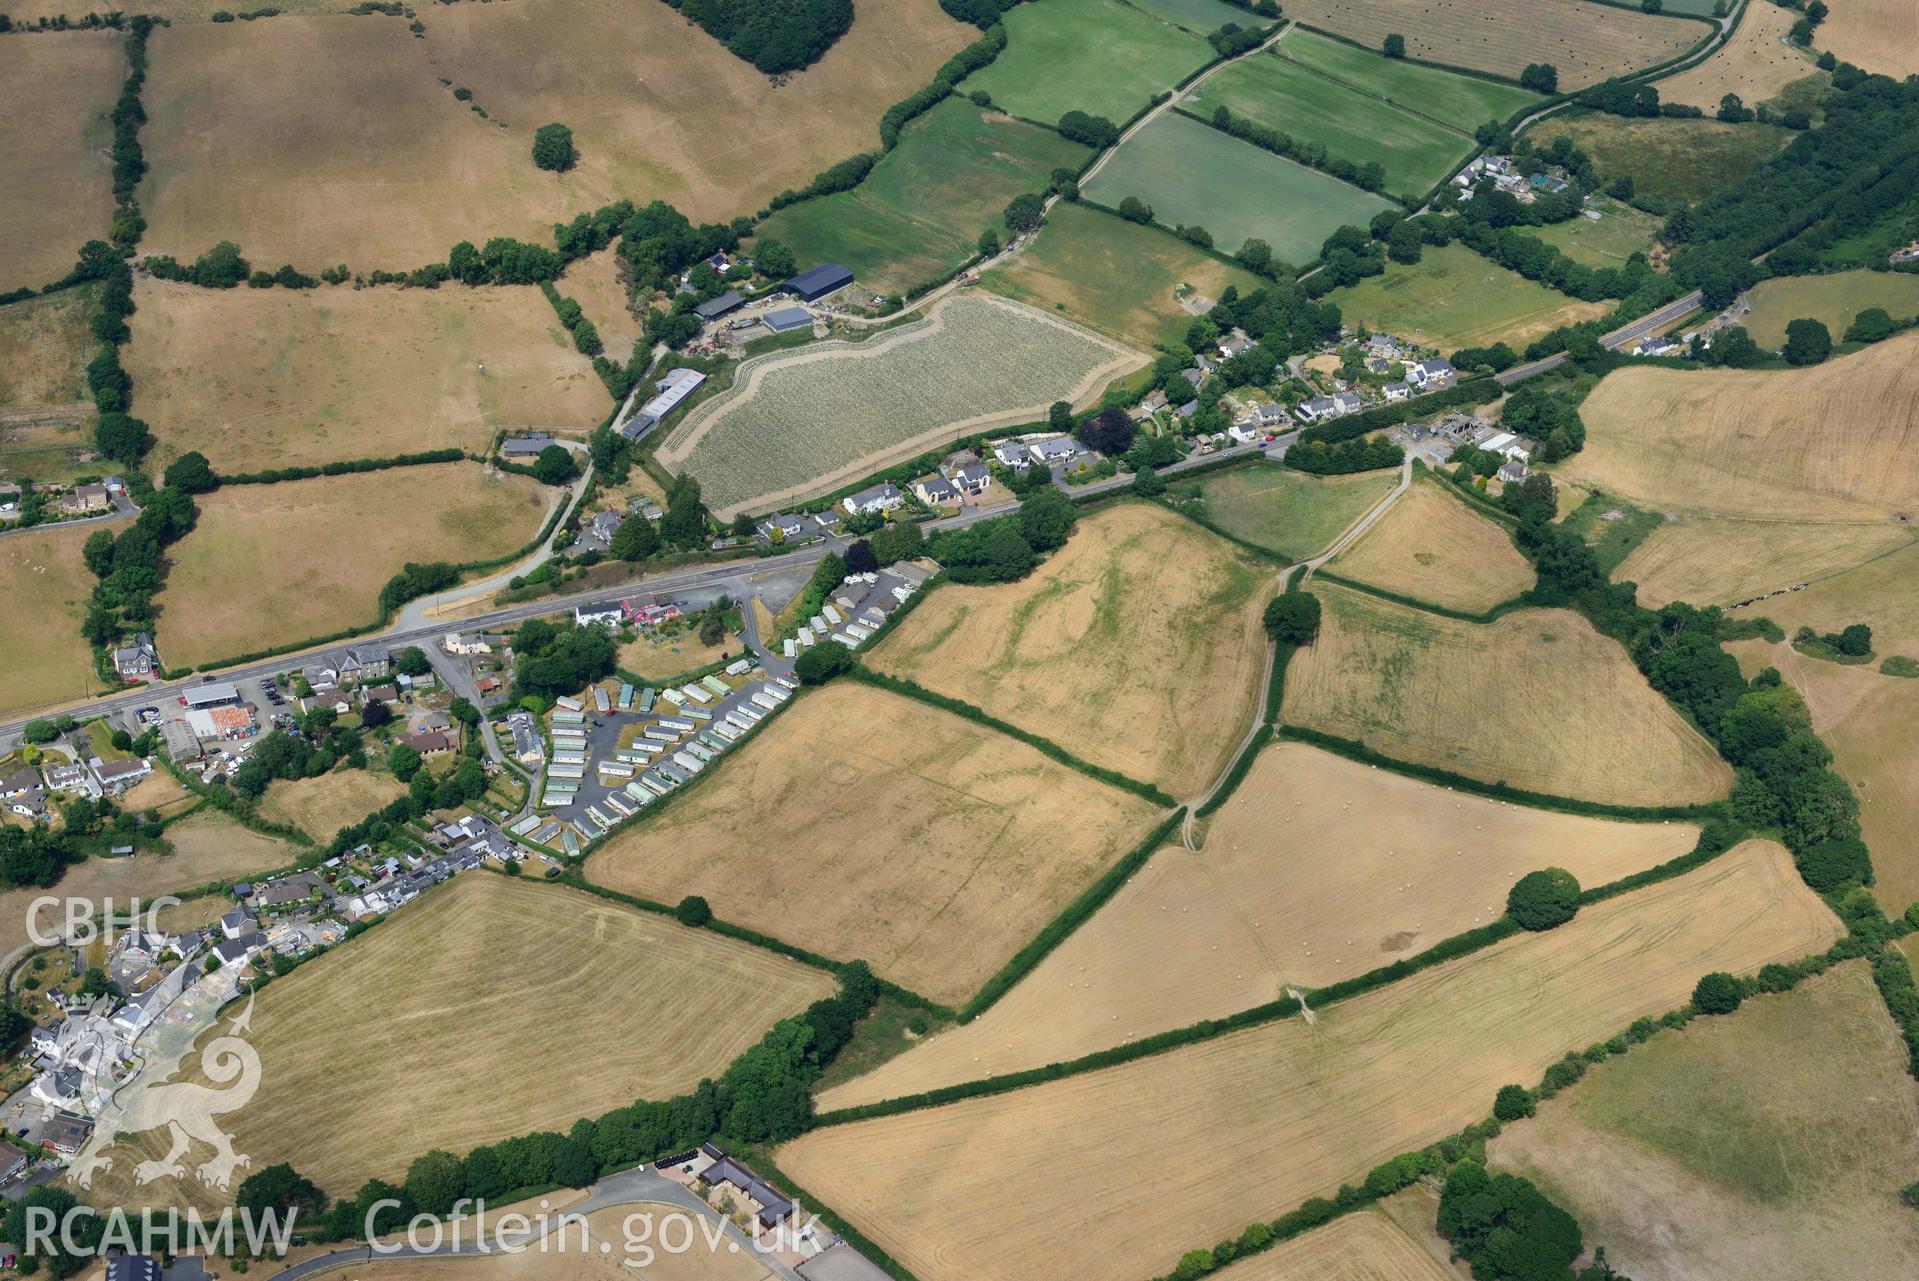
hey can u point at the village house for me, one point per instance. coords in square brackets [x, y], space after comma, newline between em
[86, 500]
[73, 778]
[465, 646]
[136, 661]
[527, 747]
[606, 615]
[388, 694]
[937, 491]
[430, 742]
[524, 447]
[1318, 409]
[1055, 450]
[1154, 402]
[362, 665]
[1347, 402]
[971, 478]
[782, 528]
[1012, 453]
[1514, 471]
[1430, 375]
[117, 776]
[874, 500]
[1233, 344]
[1397, 392]
[728, 1176]
[237, 924]
[647, 615]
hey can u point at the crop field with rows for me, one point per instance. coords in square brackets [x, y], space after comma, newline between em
[812, 421]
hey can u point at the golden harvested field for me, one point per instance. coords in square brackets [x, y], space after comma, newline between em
[1837, 441]
[1318, 869]
[324, 139]
[1867, 718]
[1429, 545]
[1587, 42]
[1880, 593]
[660, 110]
[44, 349]
[264, 378]
[924, 844]
[1366, 1246]
[206, 847]
[497, 974]
[58, 192]
[1711, 561]
[1879, 35]
[44, 587]
[594, 282]
[1137, 646]
[1755, 64]
[346, 534]
[1536, 699]
[157, 791]
[1264, 1118]
[1744, 1145]
[322, 806]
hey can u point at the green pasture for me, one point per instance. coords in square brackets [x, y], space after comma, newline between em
[1203, 16]
[1416, 153]
[1674, 159]
[1617, 234]
[1100, 56]
[1454, 298]
[1834, 299]
[1192, 174]
[1285, 511]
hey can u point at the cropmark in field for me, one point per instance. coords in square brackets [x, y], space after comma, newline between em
[258, 379]
[1137, 646]
[1535, 699]
[353, 1048]
[866, 825]
[1261, 1119]
[1317, 869]
[1431, 547]
[806, 422]
[1748, 1145]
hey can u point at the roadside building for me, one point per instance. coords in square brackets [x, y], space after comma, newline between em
[817, 282]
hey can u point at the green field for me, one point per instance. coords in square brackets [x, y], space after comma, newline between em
[920, 212]
[1690, 8]
[1282, 510]
[1834, 299]
[1670, 158]
[1416, 153]
[1203, 16]
[1620, 232]
[1611, 540]
[1454, 298]
[1465, 102]
[1100, 56]
[1193, 174]
[1114, 275]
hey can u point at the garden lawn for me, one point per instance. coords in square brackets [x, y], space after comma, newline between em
[1669, 158]
[919, 214]
[1453, 298]
[1416, 152]
[1193, 174]
[1464, 102]
[1098, 56]
[1114, 275]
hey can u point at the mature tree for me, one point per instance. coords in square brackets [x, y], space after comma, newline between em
[693, 910]
[988, 243]
[97, 552]
[1256, 256]
[435, 1181]
[1059, 416]
[1855, 641]
[220, 267]
[1096, 132]
[463, 710]
[1133, 209]
[1807, 342]
[860, 557]
[375, 714]
[773, 260]
[1047, 518]
[1540, 900]
[1874, 324]
[404, 761]
[1395, 46]
[821, 662]
[1532, 499]
[1513, 1102]
[553, 148]
[635, 539]
[1292, 618]
[684, 524]
[122, 438]
[1733, 110]
[280, 1188]
[412, 661]
[1110, 431]
[1025, 213]
[555, 466]
[1835, 862]
[191, 473]
[1540, 77]
[1717, 993]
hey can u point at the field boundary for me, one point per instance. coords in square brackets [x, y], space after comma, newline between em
[1074, 915]
[959, 707]
[346, 467]
[1354, 750]
[1493, 614]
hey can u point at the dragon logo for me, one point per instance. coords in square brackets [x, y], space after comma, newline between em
[146, 1100]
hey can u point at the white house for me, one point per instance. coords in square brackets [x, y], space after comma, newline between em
[607, 615]
[874, 500]
[1059, 449]
[1432, 373]
[1397, 391]
[1011, 453]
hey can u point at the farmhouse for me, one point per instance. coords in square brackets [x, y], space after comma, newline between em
[817, 282]
[725, 304]
[136, 661]
[787, 319]
[874, 500]
[528, 446]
